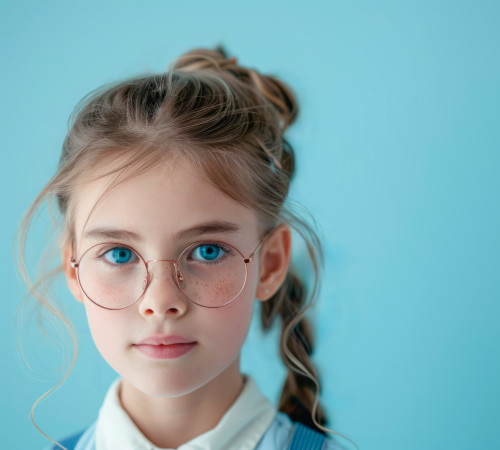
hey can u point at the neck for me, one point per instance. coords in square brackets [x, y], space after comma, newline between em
[171, 422]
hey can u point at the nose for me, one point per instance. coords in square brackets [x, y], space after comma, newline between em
[162, 297]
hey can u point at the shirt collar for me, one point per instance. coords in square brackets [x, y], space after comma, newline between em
[242, 426]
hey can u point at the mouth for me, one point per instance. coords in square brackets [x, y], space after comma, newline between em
[160, 351]
[165, 346]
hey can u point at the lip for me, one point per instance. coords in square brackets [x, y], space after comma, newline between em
[165, 339]
[165, 346]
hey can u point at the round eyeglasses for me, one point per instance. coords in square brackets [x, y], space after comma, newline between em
[209, 273]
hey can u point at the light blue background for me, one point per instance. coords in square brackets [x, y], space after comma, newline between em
[398, 156]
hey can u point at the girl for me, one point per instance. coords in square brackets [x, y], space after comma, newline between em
[172, 188]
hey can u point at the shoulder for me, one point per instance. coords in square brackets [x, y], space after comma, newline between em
[278, 435]
[83, 440]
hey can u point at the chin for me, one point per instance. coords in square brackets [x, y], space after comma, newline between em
[166, 385]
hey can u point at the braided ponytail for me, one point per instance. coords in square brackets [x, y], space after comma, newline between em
[299, 391]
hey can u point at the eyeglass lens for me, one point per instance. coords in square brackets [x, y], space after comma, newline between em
[115, 276]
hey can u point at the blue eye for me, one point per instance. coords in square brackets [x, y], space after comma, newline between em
[208, 252]
[120, 255]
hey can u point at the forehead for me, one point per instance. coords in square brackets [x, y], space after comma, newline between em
[158, 203]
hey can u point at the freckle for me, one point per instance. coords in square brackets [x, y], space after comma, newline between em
[100, 290]
[225, 288]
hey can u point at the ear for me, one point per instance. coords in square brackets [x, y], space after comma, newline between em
[70, 272]
[273, 262]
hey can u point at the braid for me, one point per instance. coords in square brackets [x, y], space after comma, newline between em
[299, 392]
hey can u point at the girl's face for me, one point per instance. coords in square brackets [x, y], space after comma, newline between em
[159, 213]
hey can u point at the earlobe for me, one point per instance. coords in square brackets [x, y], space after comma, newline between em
[70, 272]
[274, 261]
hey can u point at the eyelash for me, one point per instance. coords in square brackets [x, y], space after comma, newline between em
[109, 247]
[226, 250]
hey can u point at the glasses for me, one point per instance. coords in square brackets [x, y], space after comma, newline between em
[209, 273]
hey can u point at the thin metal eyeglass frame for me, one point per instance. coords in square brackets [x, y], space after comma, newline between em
[246, 260]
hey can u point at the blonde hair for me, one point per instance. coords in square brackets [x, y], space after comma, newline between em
[228, 121]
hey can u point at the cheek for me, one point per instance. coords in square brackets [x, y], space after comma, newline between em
[231, 323]
[107, 329]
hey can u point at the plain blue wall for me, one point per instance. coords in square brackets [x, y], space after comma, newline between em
[398, 156]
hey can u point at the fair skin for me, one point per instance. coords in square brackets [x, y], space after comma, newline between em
[174, 400]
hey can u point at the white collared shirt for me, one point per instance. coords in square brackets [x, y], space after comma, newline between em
[241, 427]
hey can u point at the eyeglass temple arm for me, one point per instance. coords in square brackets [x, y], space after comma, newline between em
[250, 258]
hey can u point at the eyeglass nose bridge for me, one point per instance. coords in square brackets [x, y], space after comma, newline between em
[179, 278]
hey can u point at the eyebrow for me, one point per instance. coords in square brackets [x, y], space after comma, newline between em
[111, 233]
[213, 227]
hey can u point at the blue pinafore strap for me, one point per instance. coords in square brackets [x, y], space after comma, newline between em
[70, 441]
[302, 438]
